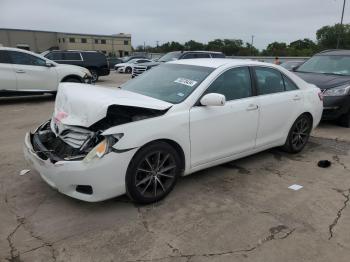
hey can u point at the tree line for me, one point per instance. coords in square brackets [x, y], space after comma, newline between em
[326, 38]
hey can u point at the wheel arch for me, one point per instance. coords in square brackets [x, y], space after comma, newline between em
[173, 144]
[72, 76]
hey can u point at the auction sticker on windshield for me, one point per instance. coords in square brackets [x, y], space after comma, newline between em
[186, 82]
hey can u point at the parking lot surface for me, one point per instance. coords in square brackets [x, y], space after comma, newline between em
[239, 211]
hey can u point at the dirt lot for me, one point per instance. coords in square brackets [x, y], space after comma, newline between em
[241, 211]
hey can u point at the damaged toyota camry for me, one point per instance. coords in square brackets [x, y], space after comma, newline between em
[173, 120]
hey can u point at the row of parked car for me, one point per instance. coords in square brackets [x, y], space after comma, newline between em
[25, 72]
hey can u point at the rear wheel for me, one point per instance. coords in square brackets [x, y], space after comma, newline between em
[298, 135]
[152, 173]
[345, 120]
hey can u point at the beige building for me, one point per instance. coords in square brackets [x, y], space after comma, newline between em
[39, 41]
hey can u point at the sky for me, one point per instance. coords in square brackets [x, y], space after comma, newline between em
[178, 20]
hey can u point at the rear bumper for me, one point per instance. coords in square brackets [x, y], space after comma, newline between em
[106, 175]
[335, 106]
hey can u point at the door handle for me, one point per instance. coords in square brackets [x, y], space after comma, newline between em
[296, 98]
[20, 71]
[252, 107]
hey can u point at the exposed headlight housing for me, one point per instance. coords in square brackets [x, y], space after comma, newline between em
[102, 148]
[337, 91]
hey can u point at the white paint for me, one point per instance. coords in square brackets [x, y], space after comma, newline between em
[35, 78]
[24, 172]
[208, 135]
[295, 187]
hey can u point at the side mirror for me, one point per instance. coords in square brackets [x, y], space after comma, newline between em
[49, 64]
[213, 99]
[294, 68]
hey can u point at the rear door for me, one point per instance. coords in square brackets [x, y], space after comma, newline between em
[32, 73]
[280, 103]
[7, 74]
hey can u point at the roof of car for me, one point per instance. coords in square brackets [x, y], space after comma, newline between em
[335, 52]
[217, 62]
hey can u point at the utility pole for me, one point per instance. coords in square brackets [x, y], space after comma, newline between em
[341, 24]
[157, 43]
[251, 46]
[144, 47]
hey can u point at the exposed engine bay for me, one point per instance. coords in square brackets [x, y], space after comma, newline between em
[58, 142]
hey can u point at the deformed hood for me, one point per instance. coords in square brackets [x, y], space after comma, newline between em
[84, 104]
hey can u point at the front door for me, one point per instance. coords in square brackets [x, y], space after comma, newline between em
[217, 132]
[32, 73]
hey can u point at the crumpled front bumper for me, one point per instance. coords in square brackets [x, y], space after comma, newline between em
[106, 175]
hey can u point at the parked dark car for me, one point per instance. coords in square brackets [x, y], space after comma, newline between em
[95, 61]
[330, 71]
[112, 61]
[290, 65]
[177, 55]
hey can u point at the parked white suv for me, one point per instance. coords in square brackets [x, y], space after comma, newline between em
[23, 72]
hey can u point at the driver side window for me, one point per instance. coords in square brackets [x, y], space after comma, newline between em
[20, 58]
[234, 84]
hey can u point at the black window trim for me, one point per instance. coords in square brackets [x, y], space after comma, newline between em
[81, 57]
[282, 76]
[252, 85]
[7, 56]
[14, 51]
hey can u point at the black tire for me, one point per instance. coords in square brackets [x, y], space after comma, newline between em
[298, 135]
[145, 183]
[94, 75]
[128, 70]
[72, 80]
[344, 121]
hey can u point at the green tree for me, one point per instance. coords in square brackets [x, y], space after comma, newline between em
[193, 45]
[327, 36]
[276, 49]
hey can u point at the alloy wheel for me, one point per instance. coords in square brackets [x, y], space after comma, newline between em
[301, 133]
[155, 174]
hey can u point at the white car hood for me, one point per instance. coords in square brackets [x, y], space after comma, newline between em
[84, 104]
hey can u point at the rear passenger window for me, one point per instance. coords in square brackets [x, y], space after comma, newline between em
[202, 55]
[55, 56]
[269, 81]
[235, 83]
[289, 85]
[71, 56]
[217, 55]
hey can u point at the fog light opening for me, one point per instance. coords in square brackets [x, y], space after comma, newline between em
[84, 189]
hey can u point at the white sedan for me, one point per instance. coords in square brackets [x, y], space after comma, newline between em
[128, 66]
[173, 120]
[24, 72]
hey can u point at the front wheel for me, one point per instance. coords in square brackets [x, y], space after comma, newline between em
[298, 135]
[94, 75]
[128, 70]
[152, 173]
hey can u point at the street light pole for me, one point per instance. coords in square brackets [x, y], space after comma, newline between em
[251, 46]
[341, 24]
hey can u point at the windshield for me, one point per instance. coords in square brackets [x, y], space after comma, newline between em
[168, 82]
[170, 57]
[338, 65]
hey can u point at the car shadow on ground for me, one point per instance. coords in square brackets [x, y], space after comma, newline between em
[26, 99]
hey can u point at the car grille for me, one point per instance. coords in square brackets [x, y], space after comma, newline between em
[138, 70]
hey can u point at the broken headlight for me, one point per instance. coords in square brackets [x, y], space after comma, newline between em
[102, 148]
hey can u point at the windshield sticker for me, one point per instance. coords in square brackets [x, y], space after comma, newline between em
[186, 82]
[180, 94]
